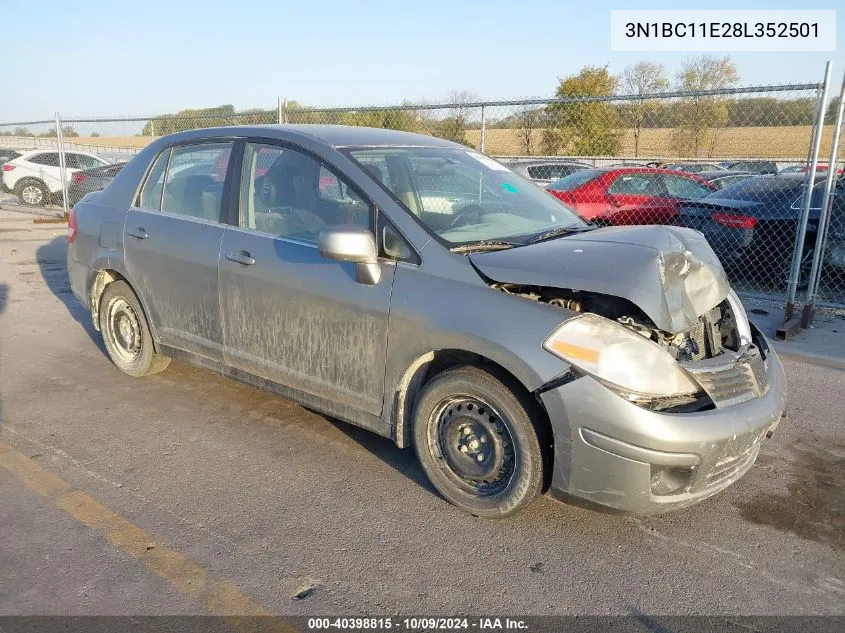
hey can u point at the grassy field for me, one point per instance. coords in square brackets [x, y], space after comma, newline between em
[770, 142]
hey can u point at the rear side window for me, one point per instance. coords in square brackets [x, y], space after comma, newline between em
[678, 187]
[150, 196]
[193, 185]
[85, 162]
[637, 185]
[48, 159]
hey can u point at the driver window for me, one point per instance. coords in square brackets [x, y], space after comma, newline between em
[291, 194]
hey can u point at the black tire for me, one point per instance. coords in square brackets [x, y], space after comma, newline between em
[126, 332]
[32, 193]
[509, 472]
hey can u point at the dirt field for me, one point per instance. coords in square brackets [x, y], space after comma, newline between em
[739, 142]
[785, 142]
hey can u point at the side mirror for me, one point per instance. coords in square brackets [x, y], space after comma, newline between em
[352, 243]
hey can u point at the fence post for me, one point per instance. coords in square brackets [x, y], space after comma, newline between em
[798, 252]
[62, 164]
[152, 130]
[824, 215]
[285, 111]
[483, 128]
[279, 110]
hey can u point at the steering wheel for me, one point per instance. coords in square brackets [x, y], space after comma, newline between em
[462, 217]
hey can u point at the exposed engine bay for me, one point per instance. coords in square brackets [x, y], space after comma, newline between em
[713, 333]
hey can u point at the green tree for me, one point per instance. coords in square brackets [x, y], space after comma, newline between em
[702, 117]
[639, 81]
[190, 119]
[584, 127]
[23, 131]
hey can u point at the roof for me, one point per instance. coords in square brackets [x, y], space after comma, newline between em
[335, 135]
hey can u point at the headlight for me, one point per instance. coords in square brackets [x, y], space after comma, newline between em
[740, 318]
[620, 357]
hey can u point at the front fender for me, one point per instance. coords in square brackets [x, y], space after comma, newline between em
[430, 313]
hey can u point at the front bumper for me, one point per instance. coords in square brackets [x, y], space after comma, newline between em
[613, 453]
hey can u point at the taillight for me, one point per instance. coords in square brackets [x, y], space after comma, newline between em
[8, 167]
[734, 220]
[71, 225]
[77, 178]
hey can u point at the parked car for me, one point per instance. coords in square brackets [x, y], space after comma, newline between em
[763, 167]
[629, 195]
[803, 169]
[7, 155]
[88, 180]
[35, 177]
[753, 223]
[723, 177]
[505, 340]
[545, 172]
[693, 168]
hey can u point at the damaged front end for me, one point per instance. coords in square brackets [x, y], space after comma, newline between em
[662, 284]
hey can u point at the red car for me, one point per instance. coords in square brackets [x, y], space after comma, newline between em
[629, 195]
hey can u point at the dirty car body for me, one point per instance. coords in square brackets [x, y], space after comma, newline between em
[423, 291]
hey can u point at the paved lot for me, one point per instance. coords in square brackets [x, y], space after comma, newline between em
[189, 493]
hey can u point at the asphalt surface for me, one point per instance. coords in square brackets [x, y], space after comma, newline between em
[114, 491]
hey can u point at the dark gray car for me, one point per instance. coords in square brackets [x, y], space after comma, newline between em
[424, 291]
[88, 180]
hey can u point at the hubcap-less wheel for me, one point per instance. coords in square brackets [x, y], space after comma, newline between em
[32, 194]
[124, 329]
[474, 442]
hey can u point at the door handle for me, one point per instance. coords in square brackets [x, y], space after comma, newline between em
[241, 258]
[138, 233]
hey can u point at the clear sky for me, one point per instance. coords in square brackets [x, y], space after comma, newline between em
[98, 57]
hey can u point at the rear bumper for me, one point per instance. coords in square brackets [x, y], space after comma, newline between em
[630, 459]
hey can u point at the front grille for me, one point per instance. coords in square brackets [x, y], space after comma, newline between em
[696, 335]
[731, 378]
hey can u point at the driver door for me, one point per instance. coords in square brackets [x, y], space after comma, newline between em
[289, 315]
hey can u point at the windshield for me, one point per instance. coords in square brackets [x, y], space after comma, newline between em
[574, 180]
[463, 196]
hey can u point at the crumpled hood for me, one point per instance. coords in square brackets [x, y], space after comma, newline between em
[671, 273]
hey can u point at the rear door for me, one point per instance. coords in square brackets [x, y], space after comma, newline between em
[172, 240]
[639, 198]
[289, 315]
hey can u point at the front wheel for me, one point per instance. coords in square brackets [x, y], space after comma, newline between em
[477, 444]
[126, 332]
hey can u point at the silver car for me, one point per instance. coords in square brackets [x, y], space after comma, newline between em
[545, 172]
[414, 287]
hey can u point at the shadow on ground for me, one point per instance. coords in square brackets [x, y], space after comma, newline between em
[814, 505]
[52, 262]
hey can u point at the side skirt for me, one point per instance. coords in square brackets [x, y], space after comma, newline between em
[326, 407]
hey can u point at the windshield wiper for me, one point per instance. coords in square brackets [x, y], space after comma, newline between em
[483, 245]
[561, 230]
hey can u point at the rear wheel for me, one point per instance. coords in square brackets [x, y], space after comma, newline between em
[126, 332]
[32, 193]
[475, 441]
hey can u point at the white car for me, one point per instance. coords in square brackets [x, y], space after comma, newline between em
[35, 177]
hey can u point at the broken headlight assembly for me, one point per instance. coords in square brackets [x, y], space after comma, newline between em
[633, 366]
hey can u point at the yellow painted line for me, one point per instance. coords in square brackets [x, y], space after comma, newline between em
[218, 597]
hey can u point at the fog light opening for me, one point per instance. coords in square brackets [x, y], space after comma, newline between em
[670, 480]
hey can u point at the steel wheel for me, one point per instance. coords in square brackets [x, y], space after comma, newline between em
[474, 444]
[123, 329]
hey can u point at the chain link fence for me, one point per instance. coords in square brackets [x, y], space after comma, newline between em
[733, 164]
